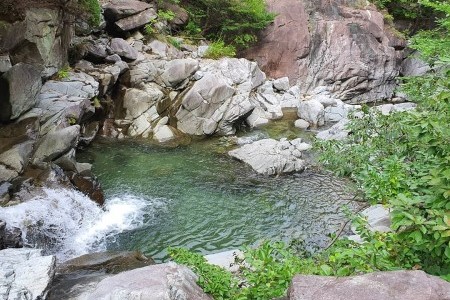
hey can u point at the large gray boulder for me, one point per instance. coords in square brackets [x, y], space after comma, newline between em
[64, 102]
[17, 157]
[167, 281]
[199, 113]
[137, 101]
[312, 111]
[136, 21]
[220, 97]
[123, 49]
[270, 157]
[338, 131]
[118, 9]
[19, 88]
[25, 274]
[396, 285]
[178, 70]
[41, 39]
[55, 144]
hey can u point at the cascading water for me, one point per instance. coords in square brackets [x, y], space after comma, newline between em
[67, 223]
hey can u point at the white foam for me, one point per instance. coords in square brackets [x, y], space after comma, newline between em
[67, 223]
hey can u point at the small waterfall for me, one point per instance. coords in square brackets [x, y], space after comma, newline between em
[67, 223]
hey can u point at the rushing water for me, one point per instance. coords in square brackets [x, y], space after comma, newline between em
[68, 223]
[203, 200]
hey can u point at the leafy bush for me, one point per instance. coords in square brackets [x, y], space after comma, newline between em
[92, 7]
[218, 49]
[403, 160]
[166, 15]
[63, 73]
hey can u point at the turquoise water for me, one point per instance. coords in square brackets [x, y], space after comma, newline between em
[200, 198]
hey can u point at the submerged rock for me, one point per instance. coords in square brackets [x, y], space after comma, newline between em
[399, 285]
[25, 274]
[269, 156]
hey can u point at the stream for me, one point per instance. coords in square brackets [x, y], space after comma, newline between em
[192, 196]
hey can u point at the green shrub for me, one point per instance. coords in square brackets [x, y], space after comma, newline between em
[218, 49]
[174, 42]
[92, 7]
[166, 15]
[63, 73]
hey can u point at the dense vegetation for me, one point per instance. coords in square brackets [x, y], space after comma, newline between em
[402, 161]
[236, 22]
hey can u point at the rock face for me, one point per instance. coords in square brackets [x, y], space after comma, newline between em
[220, 97]
[269, 156]
[396, 285]
[19, 88]
[42, 40]
[25, 274]
[339, 45]
[64, 102]
[125, 15]
[158, 282]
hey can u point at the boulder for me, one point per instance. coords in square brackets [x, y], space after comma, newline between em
[141, 72]
[111, 262]
[123, 49]
[118, 9]
[95, 51]
[226, 259]
[338, 111]
[338, 44]
[164, 133]
[414, 66]
[302, 124]
[56, 143]
[199, 113]
[137, 101]
[270, 157]
[136, 21]
[41, 39]
[338, 131]
[14, 98]
[25, 274]
[257, 118]
[64, 102]
[81, 274]
[178, 70]
[221, 96]
[7, 174]
[395, 285]
[17, 157]
[89, 186]
[281, 84]
[158, 282]
[312, 111]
